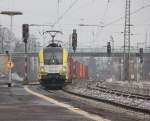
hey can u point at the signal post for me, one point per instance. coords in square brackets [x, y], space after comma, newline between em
[25, 35]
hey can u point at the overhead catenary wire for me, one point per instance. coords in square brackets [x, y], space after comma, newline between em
[122, 17]
[67, 10]
[132, 13]
[105, 11]
[104, 16]
[58, 7]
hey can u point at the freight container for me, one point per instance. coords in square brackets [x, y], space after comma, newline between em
[77, 70]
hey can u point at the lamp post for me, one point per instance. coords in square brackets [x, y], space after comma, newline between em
[2, 31]
[11, 14]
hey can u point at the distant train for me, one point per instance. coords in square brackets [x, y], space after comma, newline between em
[57, 68]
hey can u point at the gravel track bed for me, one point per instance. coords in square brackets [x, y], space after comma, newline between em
[83, 89]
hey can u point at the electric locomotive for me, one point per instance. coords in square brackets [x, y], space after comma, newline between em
[53, 64]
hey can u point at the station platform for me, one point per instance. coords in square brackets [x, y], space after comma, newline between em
[18, 105]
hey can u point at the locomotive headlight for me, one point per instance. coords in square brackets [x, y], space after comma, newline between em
[64, 69]
[42, 69]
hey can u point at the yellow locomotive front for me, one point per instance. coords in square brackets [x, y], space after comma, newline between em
[53, 65]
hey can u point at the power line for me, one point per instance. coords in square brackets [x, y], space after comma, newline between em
[103, 18]
[132, 13]
[122, 17]
[67, 10]
[58, 6]
[105, 11]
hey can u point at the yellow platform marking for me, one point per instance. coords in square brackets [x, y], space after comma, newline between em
[69, 107]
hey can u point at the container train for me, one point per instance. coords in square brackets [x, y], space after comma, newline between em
[56, 67]
[77, 70]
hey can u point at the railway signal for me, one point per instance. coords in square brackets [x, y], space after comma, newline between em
[108, 48]
[74, 40]
[141, 55]
[25, 35]
[25, 32]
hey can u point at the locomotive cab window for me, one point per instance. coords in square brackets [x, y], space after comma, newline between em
[53, 56]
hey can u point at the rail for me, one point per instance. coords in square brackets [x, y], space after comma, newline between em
[121, 93]
[106, 91]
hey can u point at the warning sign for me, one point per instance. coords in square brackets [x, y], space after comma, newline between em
[10, 64]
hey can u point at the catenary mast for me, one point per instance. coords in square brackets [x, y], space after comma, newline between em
[127, 42]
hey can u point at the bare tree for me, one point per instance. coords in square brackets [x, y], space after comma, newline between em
[7, 40]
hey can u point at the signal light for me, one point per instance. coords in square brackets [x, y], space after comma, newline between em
[141, 51]
[7, 52]
[108, 48]
[74, 40]
[25, 32]
[141, 55]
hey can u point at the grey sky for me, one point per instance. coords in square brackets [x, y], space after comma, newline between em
[99, 12]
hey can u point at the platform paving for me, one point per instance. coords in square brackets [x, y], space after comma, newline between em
[18, 105]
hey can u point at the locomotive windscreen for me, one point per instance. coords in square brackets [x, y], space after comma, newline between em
[53, 56]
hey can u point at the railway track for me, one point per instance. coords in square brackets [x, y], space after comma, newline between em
[82, 101]
[109, 91]
[121, 93]
[126, 95]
